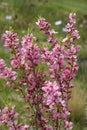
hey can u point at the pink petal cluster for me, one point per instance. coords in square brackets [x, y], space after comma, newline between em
[52, 94]
[9, 117]
[7, 73]
[68, 125]
[10, 39]
[46, 90]
[45, 27]
[31, 55]
[62, 63]
[70, 29]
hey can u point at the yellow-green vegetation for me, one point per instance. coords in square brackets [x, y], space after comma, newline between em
[78, 103]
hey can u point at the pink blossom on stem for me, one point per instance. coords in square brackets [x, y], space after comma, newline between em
[9, 117]
[43, 25]
[68, 125]
[46, 91]
[72, 18]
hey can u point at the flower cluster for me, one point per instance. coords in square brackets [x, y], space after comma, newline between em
[70, 29]
[62, 63]
[7, 73]
[9, 117]
[44, 26]
[46, 92]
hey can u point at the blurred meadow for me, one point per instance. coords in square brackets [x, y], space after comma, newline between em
[21, 15]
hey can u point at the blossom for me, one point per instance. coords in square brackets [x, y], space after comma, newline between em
[51, 94]
[2, 64]
[43, 25]
[72, 18]
[9, 116]
[27, 40]
[10, 38]
[75, 33]
[70, 29]
[68, 125]
[7, 72]
[46, 91]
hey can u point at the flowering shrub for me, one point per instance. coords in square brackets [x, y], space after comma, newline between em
[48, 92]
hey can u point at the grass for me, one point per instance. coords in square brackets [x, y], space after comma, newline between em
[24, 15]
[77, 104]
[83, 53]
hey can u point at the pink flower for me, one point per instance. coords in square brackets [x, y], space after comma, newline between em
[43, 25]
[46, 91]
[8, 84]
[68, 125]
[75, 33]
[10, 39]
[2, 64]
[65, 39]
[51, 94]
[27, 40]
[78, 48]
[21, 127]
[14, 63]
[72, 18]
[9, 116]
[69, 27]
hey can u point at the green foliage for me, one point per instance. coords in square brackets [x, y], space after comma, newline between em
[83, 53]
[82, 74]
[77, 103]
